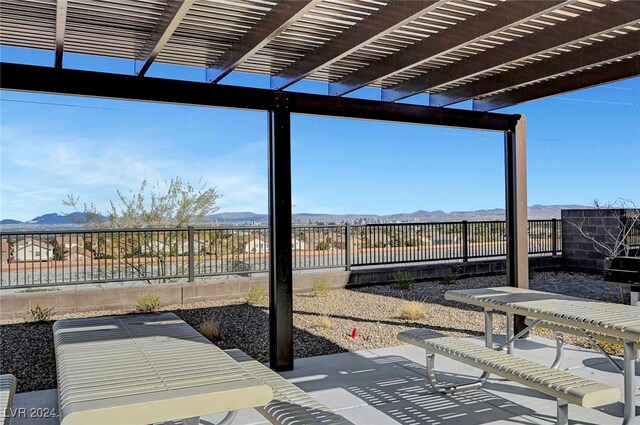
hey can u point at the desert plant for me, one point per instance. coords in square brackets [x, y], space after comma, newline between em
[615, 235]
[532, 274]
[449, 278]
[40, 313]
[321, 287]
[412, 310]
[210, 329]
[257, 295]
[403, 279]
[148, 302]
[324, 322]
[323, 246]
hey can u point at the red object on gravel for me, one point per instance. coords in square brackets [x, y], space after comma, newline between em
[354, 334]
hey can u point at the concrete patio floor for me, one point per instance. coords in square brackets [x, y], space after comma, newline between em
[388, 386]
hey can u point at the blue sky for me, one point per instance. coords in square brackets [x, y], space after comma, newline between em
[581, 146]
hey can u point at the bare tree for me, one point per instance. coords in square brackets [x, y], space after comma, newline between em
[619, 230]
[175, 204]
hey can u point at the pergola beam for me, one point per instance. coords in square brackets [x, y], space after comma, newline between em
[167, 24]
[477, 27]
[386, 20]
[117, 86]
[607, 73]
[596, 53]
[587, 25]
[61, 25]
[277, 20]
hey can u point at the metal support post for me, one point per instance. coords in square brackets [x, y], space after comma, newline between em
[554, 237]
[465, 241]
[510, 333]
[347, 247]
[192, 262]
[488, 328]
[280, 260]
[562, 412]
[515, 147]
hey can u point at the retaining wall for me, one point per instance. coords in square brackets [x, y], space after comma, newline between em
[115, 296]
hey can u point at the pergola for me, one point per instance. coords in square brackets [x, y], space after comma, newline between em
[496, 53]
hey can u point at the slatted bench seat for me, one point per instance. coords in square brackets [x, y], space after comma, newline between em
[7, 391]
[566, 329]
[564, 386]
[290, 405]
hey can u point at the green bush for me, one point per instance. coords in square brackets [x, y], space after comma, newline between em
[403, 279]
[321, 287]
[40, 313]
[148, 302]
[257, 295]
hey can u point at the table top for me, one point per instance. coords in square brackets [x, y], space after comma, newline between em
[146, 368]
[618, 320]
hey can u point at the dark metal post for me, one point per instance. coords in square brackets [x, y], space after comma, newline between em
[192, 271]
[280, 259]
[515, 147]
[347, 247]
[554, 236]
[465, 241]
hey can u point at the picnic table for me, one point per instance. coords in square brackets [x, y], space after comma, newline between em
[615, 320]
[144, 369]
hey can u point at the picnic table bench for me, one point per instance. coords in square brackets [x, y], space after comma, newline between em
[7, 391]
[144, 369]
[590, 316]
[149, 368]
[566, 387]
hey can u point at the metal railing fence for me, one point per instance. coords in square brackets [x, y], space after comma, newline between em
[52, 258]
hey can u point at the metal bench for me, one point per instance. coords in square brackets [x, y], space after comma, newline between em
[290, 404]
[7, 391]
[564, 386]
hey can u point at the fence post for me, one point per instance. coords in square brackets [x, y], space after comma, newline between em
[347, 247]
[465, 241]
[554, 236]
[192, 272]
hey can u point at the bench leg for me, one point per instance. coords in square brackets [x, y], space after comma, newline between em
[559, 350]
[563, 412]
[629, 383]
[451, 389]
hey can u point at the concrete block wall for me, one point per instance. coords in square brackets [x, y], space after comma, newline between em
[579, 252]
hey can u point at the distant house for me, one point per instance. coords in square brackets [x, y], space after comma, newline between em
[298, 245]
[31, 250]
[77, 253]
[69, 242]
[256, 245]
[5, 251]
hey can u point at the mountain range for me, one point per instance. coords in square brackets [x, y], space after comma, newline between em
[536, 212]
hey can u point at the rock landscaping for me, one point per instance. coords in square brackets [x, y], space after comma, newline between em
[324, 322]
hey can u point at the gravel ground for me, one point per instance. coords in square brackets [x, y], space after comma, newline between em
[26, 349]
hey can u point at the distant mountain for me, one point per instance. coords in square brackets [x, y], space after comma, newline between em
[536, 212]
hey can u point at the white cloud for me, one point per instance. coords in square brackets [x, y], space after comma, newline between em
[39, 171]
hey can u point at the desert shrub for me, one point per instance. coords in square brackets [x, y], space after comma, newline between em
[148, 302]
[323, 246]
[324, 322]
[403, 279]
[210, 329]
[321, 287]
[40, 313]
[449, 278]
[257, 295]
[532, 274]
[412, 310]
